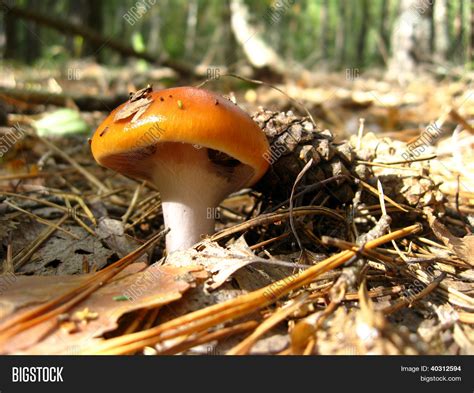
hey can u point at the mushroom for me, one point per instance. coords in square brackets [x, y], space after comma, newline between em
[197, 147]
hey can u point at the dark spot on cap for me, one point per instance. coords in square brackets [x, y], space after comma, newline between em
[162, 99]
[217, 102]
[103, 131]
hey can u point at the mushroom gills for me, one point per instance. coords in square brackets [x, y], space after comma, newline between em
[192, 185]
[132, 163]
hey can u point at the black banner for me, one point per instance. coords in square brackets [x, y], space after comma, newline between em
[218, 373]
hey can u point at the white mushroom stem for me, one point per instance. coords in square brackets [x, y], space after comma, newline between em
[187, 223]
[191, 187]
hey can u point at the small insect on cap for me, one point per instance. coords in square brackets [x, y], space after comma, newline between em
[195, 146]
[129, 137]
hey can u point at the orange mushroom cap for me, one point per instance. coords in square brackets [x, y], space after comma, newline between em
[184, 114]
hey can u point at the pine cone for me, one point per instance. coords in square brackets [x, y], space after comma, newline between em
[293, 142]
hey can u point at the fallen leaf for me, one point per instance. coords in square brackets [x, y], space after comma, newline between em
[143, 287]
[64, 255]
[61, 122]
[220, 262]
[136, 105]
[112, 232]
[141, 93]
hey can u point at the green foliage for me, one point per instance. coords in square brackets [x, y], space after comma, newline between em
[61, 122]
[313, 32]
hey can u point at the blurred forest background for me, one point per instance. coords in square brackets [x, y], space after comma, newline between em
[283, 37]
[385, 54]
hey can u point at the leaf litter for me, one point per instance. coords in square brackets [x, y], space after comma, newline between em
[254, 287]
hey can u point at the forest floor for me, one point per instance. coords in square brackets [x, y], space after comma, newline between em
[371, 253]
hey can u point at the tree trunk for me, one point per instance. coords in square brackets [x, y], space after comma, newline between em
[365, 23]
[324, 31]
[32, 49]
[259, 54]
[94, 19]
[383, 26]
[441, 33]
[410, 40]
[341, 33]
[459, 48]
[155, 44]
[471, 40]
[191, 27]
[75, 15]
[462, 18]
[11, 36]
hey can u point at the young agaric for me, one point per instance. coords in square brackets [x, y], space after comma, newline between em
[197, 147]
